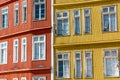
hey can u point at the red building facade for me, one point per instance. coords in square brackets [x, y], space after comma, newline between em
[25, 39]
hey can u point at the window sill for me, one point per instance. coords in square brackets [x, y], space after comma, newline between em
[39, 60]
[62, 35]
[109, 31]
[36, 20]
[112, 77]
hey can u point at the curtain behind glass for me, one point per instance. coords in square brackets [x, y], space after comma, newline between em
[89, 68]
[66, 72]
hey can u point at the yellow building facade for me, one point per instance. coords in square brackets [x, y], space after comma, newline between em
[86, 39]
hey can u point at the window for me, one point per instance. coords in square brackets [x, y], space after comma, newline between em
[16, 11]
[109, 18]
[3, 53]
[23, 78]
[15, 78]
[39, 52]
[62, 23]
[63, 65]
[15, 49]
[78, 65]
[4, 17]
[87, 21]
[24, 11]
[39, 9]
[111, 63]
[88, 64]
[39, 78]
[24, 47]
[76, 22]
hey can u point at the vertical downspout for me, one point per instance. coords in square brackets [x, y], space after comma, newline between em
[52, 40]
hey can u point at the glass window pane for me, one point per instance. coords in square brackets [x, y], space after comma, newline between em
[59, 56]
[105, 9]
[112, 9]
[114, 53]
[113, 22]
[36, 11]
[66, 69]
[107, 53]
[89, 68]
[66, 56]
[77, 55]
[66, 27]
[59, 28]
[36, 51]
[106, 22]
[65, 14]
[60, 68]
[108, 67]
[86, 11]
[87, 54]
[77, 25]
[35, 38]
[78, 68]
[87, 24]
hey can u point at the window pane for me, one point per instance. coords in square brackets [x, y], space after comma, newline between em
[77, 55]
[107, 53]
[105, 9]
[59, 56]
[114, 53]
[89, 68]
[36, 51]
[87, 24]
[60, 68]
[77, 25]
[42, 53]
[108, 67]
[66, 56]
[59, 24]
[78, 68]
[66, 69]
[113, 22]
[37, 12]
[112, 9]
[106, 22]
[66, 27]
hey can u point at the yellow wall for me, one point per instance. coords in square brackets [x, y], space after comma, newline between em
[97, 41]
[97, 35]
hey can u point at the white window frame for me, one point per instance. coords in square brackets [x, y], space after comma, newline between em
[4, 12]
[84, 18]
[62, 17]
[16, 8]
[88, 58]
[24, 5]
[24, 53]
[15, 46]
[35, 3]
[110, 50]
[80, 58]
[4, 48]
[77, 16]
[23, 78]
[39, 42]
[109, 13]
[62, 59]
[15, 78]
[39, 77]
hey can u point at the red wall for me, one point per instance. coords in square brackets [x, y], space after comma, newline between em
[28, 30]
